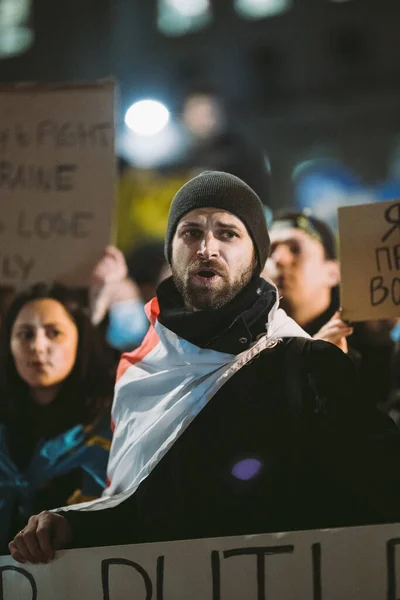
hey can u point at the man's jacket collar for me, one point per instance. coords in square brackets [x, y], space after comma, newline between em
[232, 328]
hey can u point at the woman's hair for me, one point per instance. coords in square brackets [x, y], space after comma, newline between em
[84, 395]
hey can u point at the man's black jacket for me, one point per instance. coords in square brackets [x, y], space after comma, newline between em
[286, 444]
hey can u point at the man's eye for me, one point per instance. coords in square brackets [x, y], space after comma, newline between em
[192, 233]
[228, 235]
[294, 248]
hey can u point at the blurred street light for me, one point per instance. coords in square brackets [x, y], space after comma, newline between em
[147, 117]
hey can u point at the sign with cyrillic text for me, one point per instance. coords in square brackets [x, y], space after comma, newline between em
[370, 261]
[361, 563]
[57, 178]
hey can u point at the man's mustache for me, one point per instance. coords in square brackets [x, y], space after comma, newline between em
[208, 265]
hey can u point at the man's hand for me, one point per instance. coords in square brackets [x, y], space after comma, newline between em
[43, 535]
[336, 332]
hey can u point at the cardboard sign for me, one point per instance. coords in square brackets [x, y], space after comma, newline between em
[344, 564]
[57, 172]
[370, 261]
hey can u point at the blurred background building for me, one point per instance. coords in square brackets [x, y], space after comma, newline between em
[306, 90]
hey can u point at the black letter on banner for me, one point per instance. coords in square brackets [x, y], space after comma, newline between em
[260, 553]
[104, 129]
[78, 229]
[391, 568]
[63, 177]
[388, 258]
[394, 220]
[316, 563]
[160, 578]
[105, 570]
[216, 575]
[44, 129]
[396, 297]
[396, 254]
[21, 136]
[24, 266]
[375, 285]
[24, 573]
[5, 174]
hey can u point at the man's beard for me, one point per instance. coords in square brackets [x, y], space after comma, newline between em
[214, 296]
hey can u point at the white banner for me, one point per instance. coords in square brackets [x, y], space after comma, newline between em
[345, 564]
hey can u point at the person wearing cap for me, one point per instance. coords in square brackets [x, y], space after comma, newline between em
[303, 264]
[229, 419]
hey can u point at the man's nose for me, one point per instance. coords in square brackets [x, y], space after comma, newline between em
[209, 247]
[281, 255]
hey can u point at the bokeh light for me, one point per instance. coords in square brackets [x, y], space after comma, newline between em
[147, 117]
[246, 469]
[179, 17]
[260, 9]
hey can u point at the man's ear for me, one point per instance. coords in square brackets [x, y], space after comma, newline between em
[333, 273]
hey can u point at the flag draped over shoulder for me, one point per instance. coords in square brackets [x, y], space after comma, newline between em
[161, 387]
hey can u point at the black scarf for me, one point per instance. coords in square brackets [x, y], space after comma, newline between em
[231, 328]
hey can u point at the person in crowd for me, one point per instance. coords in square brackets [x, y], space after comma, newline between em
[229, 419]
[215, 141]
[303, 264]
[120, 288]
[56, 389]
[206, 136]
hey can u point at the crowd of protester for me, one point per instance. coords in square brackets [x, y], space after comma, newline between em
[60, 351]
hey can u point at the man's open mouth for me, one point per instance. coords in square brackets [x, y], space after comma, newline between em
[207, 273]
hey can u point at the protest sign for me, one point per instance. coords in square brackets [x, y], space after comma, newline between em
[344, 564]
[370, 261]
[57, 172]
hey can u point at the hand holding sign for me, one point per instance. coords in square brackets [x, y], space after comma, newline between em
[336, 332]
[43, 534]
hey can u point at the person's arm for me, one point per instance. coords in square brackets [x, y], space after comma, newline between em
[50, 531]
[359, 443]
[109, 284]
[107, 527]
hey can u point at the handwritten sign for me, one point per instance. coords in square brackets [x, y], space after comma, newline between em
[370, 261]
[343, 564]
[57, 171]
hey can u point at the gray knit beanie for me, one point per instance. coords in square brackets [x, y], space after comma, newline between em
[215, 189]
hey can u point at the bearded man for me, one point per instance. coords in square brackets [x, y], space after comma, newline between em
[229, 419]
